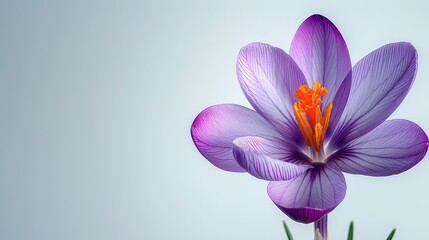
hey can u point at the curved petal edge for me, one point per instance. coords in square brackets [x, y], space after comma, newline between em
[380, 81]
[269, 78]
[311, 195]
[216, 127]
[391, 148]
[321, 52]
[258, 157]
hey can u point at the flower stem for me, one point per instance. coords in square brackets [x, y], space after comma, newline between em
[322, 226]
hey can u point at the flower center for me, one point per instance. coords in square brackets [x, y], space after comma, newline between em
[311, 121]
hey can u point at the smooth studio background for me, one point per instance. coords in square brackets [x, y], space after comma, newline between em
[97, 99]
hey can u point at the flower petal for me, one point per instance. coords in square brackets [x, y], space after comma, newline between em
[321, 52]
[268, 159]
[380, 82]
[269, 78]
[214, 129]
[391, 148]
[311, 195]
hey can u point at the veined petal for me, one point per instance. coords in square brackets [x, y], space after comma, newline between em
[380, 82]
[311, 195]
[214, 129]
[391, 148]
[269, 78]
[321, 52]
[268, 159]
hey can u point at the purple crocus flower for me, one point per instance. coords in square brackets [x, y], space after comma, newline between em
[315, 117]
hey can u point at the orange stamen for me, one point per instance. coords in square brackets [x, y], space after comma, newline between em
[308, 109]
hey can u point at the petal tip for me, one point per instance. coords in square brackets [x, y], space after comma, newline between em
[198, 122]
[317, 16]
[405, 46]
[252, 46]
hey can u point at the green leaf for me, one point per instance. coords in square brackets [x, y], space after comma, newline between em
[391, 234]
[289, 235]
[350, 236]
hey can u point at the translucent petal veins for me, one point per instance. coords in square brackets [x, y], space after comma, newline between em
[312, 123]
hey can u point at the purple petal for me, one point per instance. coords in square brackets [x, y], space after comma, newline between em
[380, 82]
[391, 148]
[269, 159]
[269, 78]
[311, 195]
[321, 52]
[214, 129]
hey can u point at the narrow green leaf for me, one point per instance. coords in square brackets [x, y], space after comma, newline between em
[289, 235]
[350, 236]
[391, 234]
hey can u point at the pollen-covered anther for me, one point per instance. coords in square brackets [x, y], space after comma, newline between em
[311, 122]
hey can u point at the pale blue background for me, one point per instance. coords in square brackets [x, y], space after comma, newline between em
[97, 99]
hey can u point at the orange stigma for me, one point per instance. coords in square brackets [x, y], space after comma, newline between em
[309, 105]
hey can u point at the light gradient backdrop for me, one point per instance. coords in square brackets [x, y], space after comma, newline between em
[97, 99]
